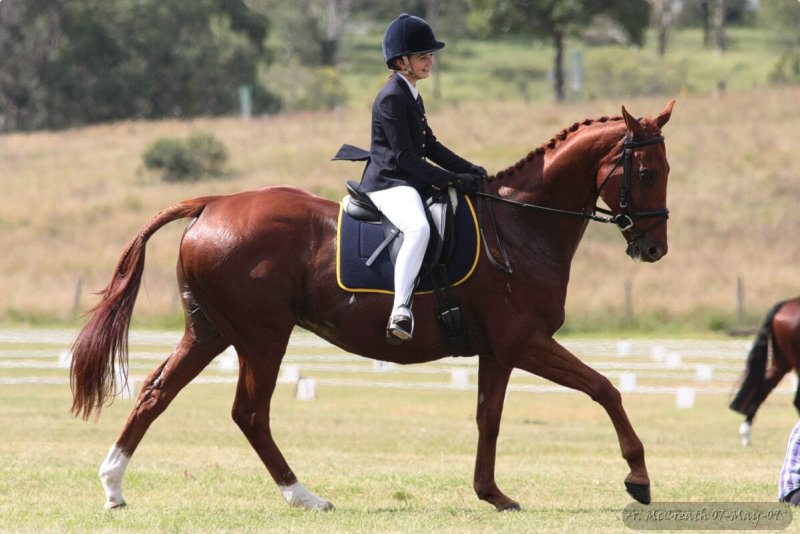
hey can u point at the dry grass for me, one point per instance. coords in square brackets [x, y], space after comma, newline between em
[72, 200]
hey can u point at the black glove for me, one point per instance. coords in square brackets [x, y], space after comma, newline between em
[480, 171]
[466, 183]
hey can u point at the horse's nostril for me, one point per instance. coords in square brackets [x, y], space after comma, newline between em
[654, 252]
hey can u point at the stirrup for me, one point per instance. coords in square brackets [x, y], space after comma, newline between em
[400, 328]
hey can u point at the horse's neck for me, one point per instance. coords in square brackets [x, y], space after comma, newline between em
[569, 170]
[563, 177]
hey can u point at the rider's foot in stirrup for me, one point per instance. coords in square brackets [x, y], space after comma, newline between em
[400, 327]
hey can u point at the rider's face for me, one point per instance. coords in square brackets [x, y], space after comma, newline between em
[421, 65]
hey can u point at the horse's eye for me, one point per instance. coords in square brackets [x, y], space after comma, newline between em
[646, 175]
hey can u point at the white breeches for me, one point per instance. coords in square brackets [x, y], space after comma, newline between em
[403, 206]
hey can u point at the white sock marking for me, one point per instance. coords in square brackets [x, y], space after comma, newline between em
[298, 495]
[111, 472]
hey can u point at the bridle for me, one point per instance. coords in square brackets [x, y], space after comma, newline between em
[624, 219]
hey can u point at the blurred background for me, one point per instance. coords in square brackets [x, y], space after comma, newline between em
[112, 110]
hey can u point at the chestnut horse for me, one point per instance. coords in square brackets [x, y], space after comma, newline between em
[762, 374]
[253, 265]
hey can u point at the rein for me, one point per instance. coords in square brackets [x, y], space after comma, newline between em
[624, 219]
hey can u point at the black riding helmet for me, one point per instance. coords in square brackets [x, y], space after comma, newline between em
[408, 35]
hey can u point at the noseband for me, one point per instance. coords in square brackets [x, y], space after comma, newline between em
[624, 219]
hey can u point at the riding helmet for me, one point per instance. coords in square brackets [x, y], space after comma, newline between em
[408, 35]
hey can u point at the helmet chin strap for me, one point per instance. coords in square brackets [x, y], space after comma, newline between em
[409, 71]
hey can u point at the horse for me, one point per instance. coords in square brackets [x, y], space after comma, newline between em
[255, 264]
[762, 374]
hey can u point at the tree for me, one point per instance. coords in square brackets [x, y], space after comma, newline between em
[663, 11]
[719, 26]
[29, 36]
[782, 18]
[67, 63]
[557, 20]
[310, 30]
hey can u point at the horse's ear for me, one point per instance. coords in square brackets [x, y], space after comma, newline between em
[633, 125]
[664, 116]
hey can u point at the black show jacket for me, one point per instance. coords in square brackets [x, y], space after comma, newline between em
[402, 140]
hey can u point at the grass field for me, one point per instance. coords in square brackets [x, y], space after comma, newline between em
[391, 459]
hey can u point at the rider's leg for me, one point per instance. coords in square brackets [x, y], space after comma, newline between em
[403, 207]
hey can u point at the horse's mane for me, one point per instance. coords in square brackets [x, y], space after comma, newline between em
[649, 126]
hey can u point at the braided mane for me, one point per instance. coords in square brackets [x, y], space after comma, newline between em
[648, 125]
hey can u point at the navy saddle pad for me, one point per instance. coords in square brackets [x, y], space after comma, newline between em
[357, 241]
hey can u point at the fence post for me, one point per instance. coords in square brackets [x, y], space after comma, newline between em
[76, 298]
[739, 299]
[628, 311]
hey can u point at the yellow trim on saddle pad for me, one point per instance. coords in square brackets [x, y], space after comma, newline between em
[386, 291]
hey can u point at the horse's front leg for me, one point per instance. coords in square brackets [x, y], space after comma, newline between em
[492, 383]
[546, 358]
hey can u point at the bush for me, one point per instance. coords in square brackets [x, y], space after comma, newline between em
[199, 156]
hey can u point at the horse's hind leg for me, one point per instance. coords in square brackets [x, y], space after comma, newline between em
[258, 373]
[194, 352]
[773, 377]
[546, 358]
[492, 384]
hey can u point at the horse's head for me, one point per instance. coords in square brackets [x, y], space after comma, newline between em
[634, 186]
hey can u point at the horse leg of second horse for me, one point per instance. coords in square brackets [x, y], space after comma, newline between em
[492, 384]
[258, 373]
[546, 358]
[194, 352]
[773, 377]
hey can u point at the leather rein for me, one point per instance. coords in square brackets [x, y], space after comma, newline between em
[624, 219]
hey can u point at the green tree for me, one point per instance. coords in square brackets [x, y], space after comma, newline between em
[782, 19]
[86, 61]
[30, 34]
[310, 30]
[557, 20]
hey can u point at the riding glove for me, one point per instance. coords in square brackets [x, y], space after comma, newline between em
[466, 183]
[480, 171]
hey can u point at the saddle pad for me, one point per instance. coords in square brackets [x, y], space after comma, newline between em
[356, 241]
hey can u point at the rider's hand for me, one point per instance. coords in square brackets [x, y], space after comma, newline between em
[480, 171]
[466, 183]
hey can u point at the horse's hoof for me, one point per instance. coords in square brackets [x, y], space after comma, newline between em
[640, 492]
[111, 505]
[510, 507]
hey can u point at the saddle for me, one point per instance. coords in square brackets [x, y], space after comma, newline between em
[440, 208]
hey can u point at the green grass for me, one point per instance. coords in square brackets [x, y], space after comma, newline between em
[389, 461]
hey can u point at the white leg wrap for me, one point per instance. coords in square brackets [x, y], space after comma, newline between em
[745, 433]
[111, 472]
[298, 495]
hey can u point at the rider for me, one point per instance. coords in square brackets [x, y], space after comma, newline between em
[398, 174]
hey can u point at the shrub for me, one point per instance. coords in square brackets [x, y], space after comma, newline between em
[199, 156]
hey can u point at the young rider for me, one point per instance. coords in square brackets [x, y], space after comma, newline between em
[399, 174]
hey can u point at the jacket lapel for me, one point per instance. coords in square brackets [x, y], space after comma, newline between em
[415, 104]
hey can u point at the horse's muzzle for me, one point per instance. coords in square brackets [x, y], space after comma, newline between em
[645, 250]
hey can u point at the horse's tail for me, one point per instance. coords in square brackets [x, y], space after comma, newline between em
[101, 349]
[748, 399]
